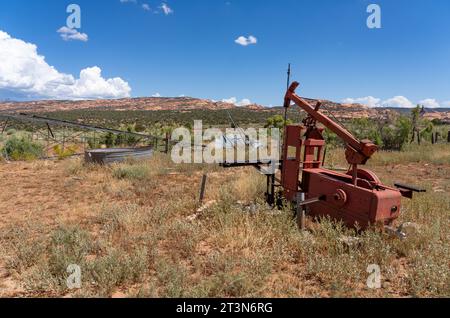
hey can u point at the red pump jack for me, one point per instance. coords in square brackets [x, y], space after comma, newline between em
[357, 198]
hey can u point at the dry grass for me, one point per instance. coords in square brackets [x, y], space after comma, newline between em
[133, 235]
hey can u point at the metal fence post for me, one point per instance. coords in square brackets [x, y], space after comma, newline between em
[301, 216]
[167, 143]
[202, 188]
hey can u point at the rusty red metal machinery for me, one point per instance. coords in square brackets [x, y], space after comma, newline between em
[357, 198]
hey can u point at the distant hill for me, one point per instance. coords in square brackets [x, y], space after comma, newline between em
[180, 104]
[408, 110]
[146, 103]
[441, 114]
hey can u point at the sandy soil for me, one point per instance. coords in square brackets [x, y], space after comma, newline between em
[45, 193]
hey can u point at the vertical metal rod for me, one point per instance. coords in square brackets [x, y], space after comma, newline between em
[301, 216]
[288, 84]
[202, 188]
[324, 156]
[270, 189]
[273, 187]
[286, 109]
[48, 141]
[355, 175]
[167, 143]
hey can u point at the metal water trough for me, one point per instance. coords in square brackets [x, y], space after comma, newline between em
[111, 155]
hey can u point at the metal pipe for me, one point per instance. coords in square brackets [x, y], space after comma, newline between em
[301, 216]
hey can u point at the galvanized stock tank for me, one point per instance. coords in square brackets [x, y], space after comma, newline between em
[111, 155]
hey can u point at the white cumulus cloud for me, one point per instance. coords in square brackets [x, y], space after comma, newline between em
[146, 7]
[24, 72]
[244, 102]
[244, 41]
[430, 103]
[369, 101]
[68, 34]
[156, 95]
[234, 101]
[398, 101]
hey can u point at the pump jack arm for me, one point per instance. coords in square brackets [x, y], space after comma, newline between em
[358, 152]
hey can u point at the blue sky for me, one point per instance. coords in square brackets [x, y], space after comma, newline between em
[192, 50]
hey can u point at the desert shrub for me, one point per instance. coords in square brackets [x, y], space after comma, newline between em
[93, 143]
[11, 132]
[363, 128]
[249, 186]
[116, 268]
[22, 149]
[173, 277]
[112, 140]
[75, 167]
[65, 152]
[69, 245]
[132, 171]
[393, 135]
[427, 131]
[277, 121]
[332, 139]
[396, 135]
[23, 252]
[127, 140]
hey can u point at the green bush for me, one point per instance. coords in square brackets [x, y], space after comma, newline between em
[277, 121]
[112, 140]
[396, 135]
[22, 149]
[393, 135]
